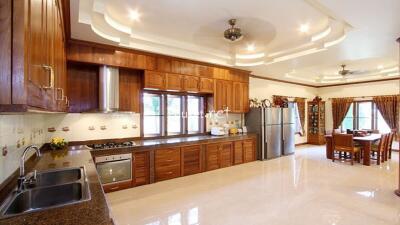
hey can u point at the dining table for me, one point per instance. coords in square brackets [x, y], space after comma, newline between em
[364, 141]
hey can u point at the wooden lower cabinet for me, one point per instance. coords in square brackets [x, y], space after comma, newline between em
[141, 168]
[191, 159]
[167, 163]
[238, 152]
[249, 150]
[212, 156]
[226, 154]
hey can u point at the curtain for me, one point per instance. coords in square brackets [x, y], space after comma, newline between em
[389, 108]
[281, 101]
[340, 106]
[301, 106]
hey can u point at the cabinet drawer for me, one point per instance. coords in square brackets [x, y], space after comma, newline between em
[167, 157]
[116, 187]
[167, 172]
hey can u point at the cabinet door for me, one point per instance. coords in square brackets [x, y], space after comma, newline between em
[36, 54]
[228, 95]
[206, 85]
[60, 63]
[226, 154]
[191, 159]
[245, 97]
[238, 96]
[212, 156]
[249, 150]
[191, 83]
[141, 168]
[129, 90]
[219, 95]
[167, 163]
[154, 80]
[174, 82]
[238, 152]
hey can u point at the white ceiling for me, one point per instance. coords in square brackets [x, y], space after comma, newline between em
[194, 29]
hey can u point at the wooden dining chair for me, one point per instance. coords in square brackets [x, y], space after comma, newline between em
[344, 143]
[380, 149]
[390, 144]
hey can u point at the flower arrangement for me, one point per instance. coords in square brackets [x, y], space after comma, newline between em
[58, 143]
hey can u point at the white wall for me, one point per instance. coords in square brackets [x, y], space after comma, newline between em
[356, 90]
[265, 89]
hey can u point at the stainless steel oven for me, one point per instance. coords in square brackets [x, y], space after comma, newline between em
[114, 168]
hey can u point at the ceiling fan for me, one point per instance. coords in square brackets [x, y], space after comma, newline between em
[345, 72]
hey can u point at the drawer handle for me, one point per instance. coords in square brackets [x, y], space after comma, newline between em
[170, 172]
[114, 188]
[169, 160]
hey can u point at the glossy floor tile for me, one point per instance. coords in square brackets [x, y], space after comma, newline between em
[304, 188]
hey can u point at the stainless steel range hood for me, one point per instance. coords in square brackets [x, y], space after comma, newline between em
[108, 89]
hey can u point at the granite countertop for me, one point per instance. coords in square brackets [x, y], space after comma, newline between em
[94, 211]
[171, 142]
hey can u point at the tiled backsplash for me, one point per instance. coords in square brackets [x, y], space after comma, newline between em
[92, 126]
[17, 132]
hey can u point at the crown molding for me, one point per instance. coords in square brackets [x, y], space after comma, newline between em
[322, 86]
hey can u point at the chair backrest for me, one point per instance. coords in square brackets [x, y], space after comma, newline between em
[383, 142]
[343, 142]
[390, 141]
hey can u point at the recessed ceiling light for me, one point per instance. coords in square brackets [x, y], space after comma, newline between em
[304, 28]
[134, 15]
[251, 47]
[380, 67]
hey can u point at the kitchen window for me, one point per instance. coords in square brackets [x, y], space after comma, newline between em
[364, 115]
[184, 114]
[152, 114]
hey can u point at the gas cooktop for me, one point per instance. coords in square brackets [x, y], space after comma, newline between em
[112, 145]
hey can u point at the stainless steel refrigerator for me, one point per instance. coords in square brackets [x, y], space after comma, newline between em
[288, 130]
[267, 124]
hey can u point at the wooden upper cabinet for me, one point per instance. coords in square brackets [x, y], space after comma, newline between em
[106, 55]
[174, 82]
[223, 95]
[240, 97]
[212, 156]
[191, 83]
[249, 150]
[191, 159]
[154, 80]
[238, 152]
[206, 85]
[38, 56]
[226, 154]
[130, 84]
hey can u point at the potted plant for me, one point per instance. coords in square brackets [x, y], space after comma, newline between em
[58, 143]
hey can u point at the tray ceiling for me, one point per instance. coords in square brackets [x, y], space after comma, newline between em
[340, 32]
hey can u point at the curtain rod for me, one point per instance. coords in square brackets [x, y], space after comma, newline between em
[288, 96]
[367, 96]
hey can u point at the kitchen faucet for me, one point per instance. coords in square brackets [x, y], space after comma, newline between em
[22, 178]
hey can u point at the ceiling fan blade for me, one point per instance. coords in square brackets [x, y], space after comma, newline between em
[358, 72]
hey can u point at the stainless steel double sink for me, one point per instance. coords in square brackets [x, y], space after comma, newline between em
[52, 188]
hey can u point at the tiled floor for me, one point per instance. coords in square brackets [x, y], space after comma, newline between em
[305, 188]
